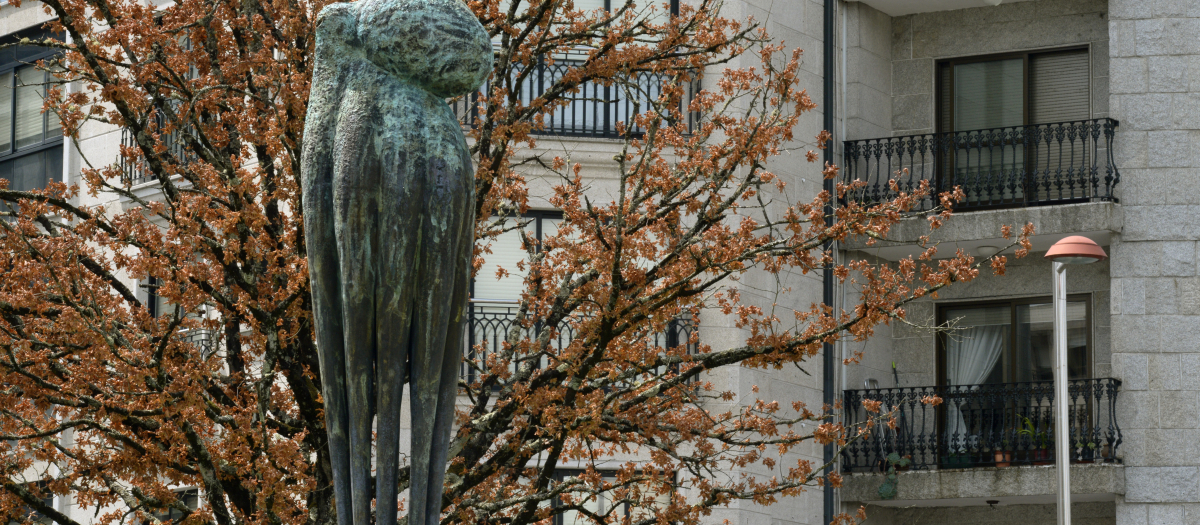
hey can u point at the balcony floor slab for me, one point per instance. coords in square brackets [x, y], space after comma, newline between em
[971, 229]
[970, 487]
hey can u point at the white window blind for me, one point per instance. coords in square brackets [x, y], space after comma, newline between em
[29, 125]
[506, 253]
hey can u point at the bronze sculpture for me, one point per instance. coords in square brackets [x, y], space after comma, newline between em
[388, 194]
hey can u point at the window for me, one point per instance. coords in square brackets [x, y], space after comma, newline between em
[1012, 341]
[996, 112]
[506, 253]
[190, 499]
[31, 516]
[31, 141]
[603, 502]
[1014, 89]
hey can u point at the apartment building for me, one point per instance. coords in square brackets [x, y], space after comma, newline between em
[1080, 116]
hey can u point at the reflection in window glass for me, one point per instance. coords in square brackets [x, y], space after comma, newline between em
[989, 94]
[32, 171]
[1035, 341]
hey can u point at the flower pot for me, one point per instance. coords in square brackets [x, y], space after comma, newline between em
[1041, 456]
[1003, 458]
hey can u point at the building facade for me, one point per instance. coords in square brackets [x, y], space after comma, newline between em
[1080, 116]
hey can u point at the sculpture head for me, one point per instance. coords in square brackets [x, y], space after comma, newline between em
[437, 45]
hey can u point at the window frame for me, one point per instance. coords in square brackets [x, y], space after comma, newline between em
[1009, 354]
[49, 501]
[10, 67]
[165, 517]
[946, 114]
[537, 216]
[605, 474]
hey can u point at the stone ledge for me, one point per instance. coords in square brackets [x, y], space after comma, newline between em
[1089, 482]
[972, 229]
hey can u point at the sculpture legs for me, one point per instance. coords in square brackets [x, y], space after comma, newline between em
[401, 312]
[438, 329]
[324, 278]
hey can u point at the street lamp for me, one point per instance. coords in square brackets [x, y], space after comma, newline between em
[1071, 250]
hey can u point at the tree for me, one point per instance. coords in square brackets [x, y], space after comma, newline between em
[108, 396]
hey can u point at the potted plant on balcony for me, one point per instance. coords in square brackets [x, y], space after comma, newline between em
[895, 464]
[1039, 439]
[1003, 454]
[1086, 451]
[960, 459]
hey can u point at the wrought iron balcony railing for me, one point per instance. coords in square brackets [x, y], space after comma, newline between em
[1058, 163]
[135, 173]
[994, 425]
[489, 322]
[592, 112]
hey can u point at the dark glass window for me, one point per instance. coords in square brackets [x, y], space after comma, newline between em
[190, 499]
[31, 140]
[1011, 341]
[32, 516]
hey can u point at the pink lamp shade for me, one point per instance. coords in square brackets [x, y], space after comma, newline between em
[1076, 250]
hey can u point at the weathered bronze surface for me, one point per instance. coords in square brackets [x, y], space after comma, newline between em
[388, 194]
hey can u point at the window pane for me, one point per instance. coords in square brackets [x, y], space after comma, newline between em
[33, 171]
[973, 353]
[506, 253]
[6, 97]
[29, 172]
[29, 123]
[989, 94]
[1035, 341]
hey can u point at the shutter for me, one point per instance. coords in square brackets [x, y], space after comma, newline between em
[1059, 87]
[506, 253]
[1059, 92]
[989, 95]
[588, 6]
[29, 123]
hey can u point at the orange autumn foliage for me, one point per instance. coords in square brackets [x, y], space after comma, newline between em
[121, 400]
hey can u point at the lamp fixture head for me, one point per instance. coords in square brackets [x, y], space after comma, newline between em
[1076, 249]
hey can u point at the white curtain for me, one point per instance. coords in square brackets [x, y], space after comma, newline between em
[970, 358]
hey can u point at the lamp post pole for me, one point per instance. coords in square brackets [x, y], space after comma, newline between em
[1062, 441]
[1071, 250]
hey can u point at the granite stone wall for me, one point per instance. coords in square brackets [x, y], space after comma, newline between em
[1155, 93]
[868, 75]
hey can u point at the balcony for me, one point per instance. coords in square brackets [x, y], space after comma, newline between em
[594, 110]
[488, 324]
[1036, 165]
[997, 425]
